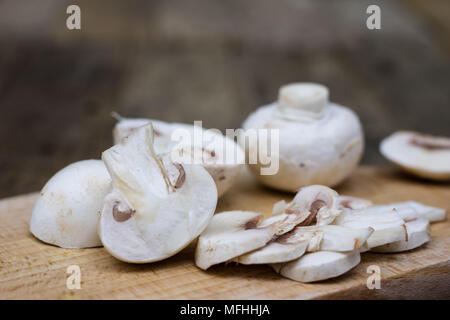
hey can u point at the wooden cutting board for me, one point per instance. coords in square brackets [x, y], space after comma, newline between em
[30, 269]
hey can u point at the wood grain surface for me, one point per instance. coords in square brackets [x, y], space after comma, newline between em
[30, 269]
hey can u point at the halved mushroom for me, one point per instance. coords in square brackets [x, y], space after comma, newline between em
[387, 224]
[67, 211]
[231, 234]
[418, 233]
[423, 155]
[157, 207]
[319, 142]
[219, 155]
[318, 266]
[353, 202]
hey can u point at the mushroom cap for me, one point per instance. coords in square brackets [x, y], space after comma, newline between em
[318, 151]
[421, 155]
[67, 211]
[149, 217]
[221, 156]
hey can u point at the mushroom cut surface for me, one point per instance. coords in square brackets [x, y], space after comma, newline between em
[422, 155]
[157, 206]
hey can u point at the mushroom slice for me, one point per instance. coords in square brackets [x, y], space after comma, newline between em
[275, 251]
[353, 202]
[319, 265]
[293, 244]
[418, 233]
[423, 155]
[231, 234]
[221, 156]
[387, 224]
[411, 210]
[68, 208]
[317, 204]
[156, 207]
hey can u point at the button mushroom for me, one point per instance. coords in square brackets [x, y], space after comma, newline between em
[68, 208]
[422, 155]
[220, 156]
[156, 207]
[320, 142]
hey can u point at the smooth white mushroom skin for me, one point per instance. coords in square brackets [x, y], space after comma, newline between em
[156, 207]
[320, 143]
[387, 224]
[68, 208]
[275, 252]
[214, 148]
[418, 234]
[231, 234]
[319, 265]
[422, 155]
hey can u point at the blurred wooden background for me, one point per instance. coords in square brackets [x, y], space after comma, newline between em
[207, 60]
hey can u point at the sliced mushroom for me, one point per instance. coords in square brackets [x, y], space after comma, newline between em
[318, 266]
[411, 210]
[156, 207]
[219, 155]
[423, 155]
[317, 203]
[320, 142]
[353, 202]
[231, 234]
[418, 234]
[68, 208]
[387, 224]
[293, 244]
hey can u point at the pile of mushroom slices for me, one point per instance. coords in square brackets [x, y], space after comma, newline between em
[221, 156]
[318, 235]
[320, 142]
[139, 204]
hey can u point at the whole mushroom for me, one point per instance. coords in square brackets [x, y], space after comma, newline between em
[68, 209]
[320, 142]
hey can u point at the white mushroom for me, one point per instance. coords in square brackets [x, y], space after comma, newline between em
[231, 234]
[423, 155]
[418, 231]
[387, 224]
[157, 207]
[318, 266]
[67, 211]
[293, 244]
[318, 203]
[220, 156]
[320, 142]
[411, 210]
[353, 202]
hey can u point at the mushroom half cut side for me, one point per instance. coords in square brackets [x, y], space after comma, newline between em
[68, 208]
[220, 155]
[423, 155]
[319, 142]
[157, 206]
